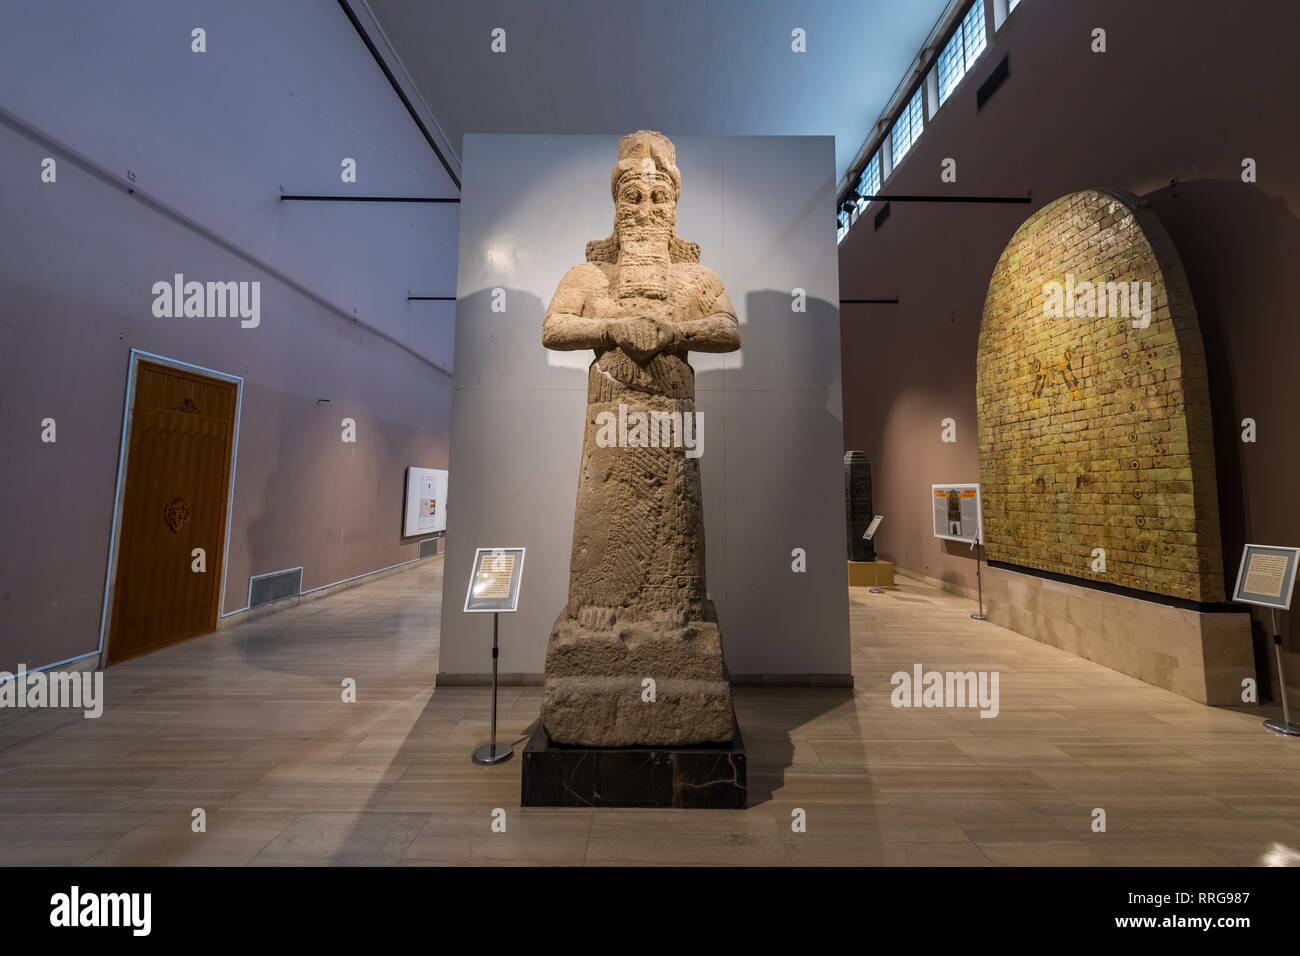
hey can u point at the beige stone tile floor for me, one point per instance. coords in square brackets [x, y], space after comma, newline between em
[249, 725]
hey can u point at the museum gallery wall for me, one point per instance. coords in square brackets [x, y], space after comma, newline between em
[1238, 243]
[771, 442]
[80, 257]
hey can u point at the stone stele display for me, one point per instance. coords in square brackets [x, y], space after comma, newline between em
[1094, 406]
[857, 505]
[1097, 453]
[639, 623]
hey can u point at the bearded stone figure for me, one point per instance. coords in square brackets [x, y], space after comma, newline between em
[638, 605]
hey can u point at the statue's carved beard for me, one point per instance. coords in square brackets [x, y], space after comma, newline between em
[643, 260]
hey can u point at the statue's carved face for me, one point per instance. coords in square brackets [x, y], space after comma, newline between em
[646, 207]
[645, 214]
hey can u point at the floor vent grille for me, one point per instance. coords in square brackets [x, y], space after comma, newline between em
[429, 547]
[277, 586]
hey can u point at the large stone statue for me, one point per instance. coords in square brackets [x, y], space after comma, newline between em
[638, 605]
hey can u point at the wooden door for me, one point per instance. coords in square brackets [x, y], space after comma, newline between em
[177, 484]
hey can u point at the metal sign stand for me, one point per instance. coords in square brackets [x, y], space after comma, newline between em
[1283, 726]
[1266, 578]
[494, 583]
[498, 751]
[978, 545]
[875, 576]
[870, 535]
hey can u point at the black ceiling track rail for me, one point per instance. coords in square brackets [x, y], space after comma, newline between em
[430, 298]
[392, 80]
[942, 198]
[366, 199]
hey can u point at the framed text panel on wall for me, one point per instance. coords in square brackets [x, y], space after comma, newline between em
[426, 501]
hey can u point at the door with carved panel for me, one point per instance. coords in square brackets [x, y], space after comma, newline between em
[177, 483]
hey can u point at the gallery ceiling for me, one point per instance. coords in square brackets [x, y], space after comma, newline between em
[681, 66]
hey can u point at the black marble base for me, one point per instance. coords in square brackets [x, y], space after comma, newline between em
[704, 776]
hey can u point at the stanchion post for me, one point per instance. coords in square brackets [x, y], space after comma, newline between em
[1283, 726]
[496, 653]
[494, 751]
[875, 569]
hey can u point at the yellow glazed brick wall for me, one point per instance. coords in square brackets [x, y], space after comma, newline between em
[1115, 450]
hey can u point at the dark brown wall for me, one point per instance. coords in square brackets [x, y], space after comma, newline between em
[1187, 89]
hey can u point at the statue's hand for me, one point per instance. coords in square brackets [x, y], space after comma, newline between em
[642, 337]
[635, 335]
[667, 335]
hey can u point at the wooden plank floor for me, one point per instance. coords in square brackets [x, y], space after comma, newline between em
[248, 724]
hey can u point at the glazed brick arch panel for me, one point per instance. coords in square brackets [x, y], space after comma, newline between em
[1094, 433]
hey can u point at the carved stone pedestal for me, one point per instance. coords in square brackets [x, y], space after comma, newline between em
[657, 683]
[703, 776]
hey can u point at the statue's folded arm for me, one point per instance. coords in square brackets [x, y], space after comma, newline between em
[568, 332]
[565, 327]
[719, 331]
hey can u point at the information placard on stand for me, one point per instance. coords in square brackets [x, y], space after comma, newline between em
[958, 512]
[1266, 578]
[959, 516]
[494, 581]
[493, 589]
[868, 535]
